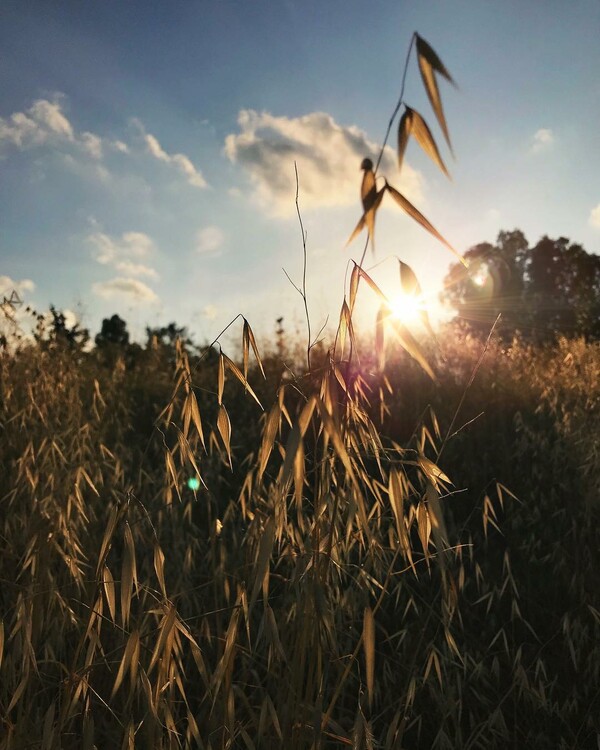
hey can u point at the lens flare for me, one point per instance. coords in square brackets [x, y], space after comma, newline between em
[406, 307]
[481, 275]
[193, 483]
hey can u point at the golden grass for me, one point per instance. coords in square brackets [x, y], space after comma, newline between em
[319, 595]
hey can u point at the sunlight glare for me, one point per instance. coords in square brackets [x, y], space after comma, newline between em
[406, 308]
[481, 275]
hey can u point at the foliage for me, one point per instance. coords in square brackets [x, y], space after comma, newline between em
[54, 331]
[113, 332]
[542, 292]
[168, 335]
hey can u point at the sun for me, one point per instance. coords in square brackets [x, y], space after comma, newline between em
[481, 274]
[406, 307]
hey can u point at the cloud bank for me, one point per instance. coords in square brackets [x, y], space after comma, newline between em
[328, 156]
[46, 124]
[42, 122]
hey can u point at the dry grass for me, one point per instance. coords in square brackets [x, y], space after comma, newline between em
[335, 589]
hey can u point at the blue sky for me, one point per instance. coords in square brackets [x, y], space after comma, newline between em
[147, 149]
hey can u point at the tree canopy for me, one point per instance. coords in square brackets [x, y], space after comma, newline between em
[541, 292]
[114, 332]
[56, 331]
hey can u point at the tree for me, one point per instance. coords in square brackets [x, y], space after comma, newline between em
[57, 333]
[113, 332]
[564, 288]
[541, 292]
[167, 335]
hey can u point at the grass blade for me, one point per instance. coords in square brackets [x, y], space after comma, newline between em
[369, 647]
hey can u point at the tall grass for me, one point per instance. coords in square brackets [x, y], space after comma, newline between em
[301, 599]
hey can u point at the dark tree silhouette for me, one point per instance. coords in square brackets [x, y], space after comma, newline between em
[548, 290]
[113, 332]
[57, 333]
[167, 335]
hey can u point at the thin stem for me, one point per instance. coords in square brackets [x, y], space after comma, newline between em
[303, 292]
[390, 123]
[400, 102]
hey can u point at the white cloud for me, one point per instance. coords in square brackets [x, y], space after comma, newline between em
[209, 239]
[542, 140]
[328, 156]
[13, 316]
[181, 162]
[17, 129]
[109, 249]
[594, 219]
[106, 248]
[185, 166]
[155, 148]
[8, 285]
[137, 244]
[71, 318]
[131, 289]
[92, 144]
[120, 146]
[85, 168]
[210, 312]
[45, 124]
[493, 214]
[42, 123]
[118, 253]
[136, 269]
[49, 115]
[23, 130]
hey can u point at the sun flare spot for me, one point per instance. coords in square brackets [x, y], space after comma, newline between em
[193, 483]
[481, 275]
[406, 307]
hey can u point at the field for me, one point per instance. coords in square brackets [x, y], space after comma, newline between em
[370, 559]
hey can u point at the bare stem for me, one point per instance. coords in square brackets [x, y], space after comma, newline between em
[390, 123]
[303, 291]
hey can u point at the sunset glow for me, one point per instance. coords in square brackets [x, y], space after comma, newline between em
[481, 275]
[406, 308]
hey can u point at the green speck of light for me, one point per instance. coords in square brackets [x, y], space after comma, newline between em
[193, 483]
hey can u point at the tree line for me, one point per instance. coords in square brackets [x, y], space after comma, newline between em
[542, 292]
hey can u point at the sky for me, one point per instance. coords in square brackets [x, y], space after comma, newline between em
[147, 149]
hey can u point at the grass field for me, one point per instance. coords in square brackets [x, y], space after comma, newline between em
[360, 566]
